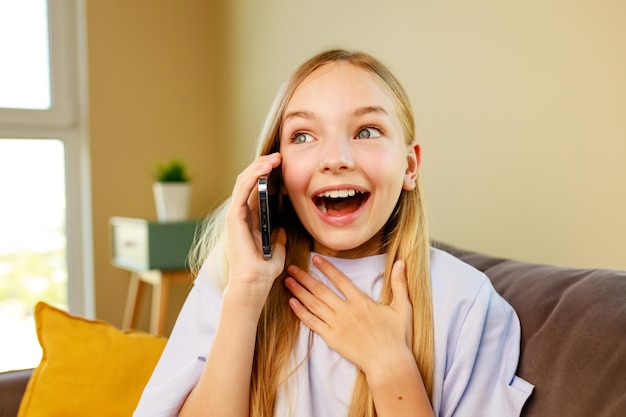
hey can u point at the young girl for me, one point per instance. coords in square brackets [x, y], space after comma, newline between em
[354, 314]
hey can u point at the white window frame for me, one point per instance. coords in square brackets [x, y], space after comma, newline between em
[66, 120]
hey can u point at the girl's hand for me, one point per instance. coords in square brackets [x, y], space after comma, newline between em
[367, 333]
[224, 386]
[248, 270]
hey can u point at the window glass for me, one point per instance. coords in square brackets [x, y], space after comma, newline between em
[45, 224]
[33, 243]
[25, 69]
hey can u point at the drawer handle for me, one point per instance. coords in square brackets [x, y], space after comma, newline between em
[129, 244]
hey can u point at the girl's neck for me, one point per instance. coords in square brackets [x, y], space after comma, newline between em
[373, 246]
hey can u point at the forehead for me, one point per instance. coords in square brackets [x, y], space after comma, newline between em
[342, 83]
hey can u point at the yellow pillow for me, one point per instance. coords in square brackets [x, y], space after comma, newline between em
[88, 368]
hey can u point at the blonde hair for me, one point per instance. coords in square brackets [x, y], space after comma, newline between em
[406, 237]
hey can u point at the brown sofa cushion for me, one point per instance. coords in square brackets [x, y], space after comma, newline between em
[12, 387]
[573, 334]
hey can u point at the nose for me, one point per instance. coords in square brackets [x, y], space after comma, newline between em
[336, 155]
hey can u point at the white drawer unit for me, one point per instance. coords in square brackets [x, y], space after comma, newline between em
[141, 244]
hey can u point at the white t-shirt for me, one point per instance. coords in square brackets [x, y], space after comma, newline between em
[477, 340]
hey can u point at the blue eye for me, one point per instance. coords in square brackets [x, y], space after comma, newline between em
[300, 137]
[368, 132]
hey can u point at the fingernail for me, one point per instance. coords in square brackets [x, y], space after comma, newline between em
[317, 259]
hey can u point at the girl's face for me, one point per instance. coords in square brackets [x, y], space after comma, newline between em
[345, 159]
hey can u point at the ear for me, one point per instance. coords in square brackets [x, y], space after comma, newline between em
[414, 159]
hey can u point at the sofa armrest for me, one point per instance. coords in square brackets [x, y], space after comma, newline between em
[12, 388]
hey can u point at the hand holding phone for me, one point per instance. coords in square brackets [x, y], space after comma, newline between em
[264, 216]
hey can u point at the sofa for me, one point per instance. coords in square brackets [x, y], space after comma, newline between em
[573, 337]
[12, 387]
[573, 322]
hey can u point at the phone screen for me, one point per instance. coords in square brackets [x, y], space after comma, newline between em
[264, 217]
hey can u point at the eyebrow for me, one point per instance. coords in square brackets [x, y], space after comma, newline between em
[361, 111]
[298, 114]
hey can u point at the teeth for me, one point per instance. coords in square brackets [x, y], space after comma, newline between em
[338, 193]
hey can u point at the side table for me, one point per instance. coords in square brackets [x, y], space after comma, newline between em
[155, 253]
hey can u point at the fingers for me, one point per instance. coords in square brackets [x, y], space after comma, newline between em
[308, 302]
[401, 302]
[242, 218]
[307, 318]
[244, 237]
[338, 279]
[246, 181]
[399, 286]
[352, 323]
[311, 292]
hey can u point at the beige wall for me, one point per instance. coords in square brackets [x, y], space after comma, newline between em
[153, 87]
[520, 109]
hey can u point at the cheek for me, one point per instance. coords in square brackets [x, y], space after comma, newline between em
[391, 165]
[294, 179]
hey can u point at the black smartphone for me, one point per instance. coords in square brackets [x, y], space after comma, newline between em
[264, 216]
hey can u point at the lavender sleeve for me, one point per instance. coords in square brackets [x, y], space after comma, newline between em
[477, 345]
[183, 358]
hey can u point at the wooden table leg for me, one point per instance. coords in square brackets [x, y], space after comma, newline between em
[133, 301]
[160, 299]
[161, 282]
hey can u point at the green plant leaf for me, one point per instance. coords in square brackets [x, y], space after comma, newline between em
[172, 171]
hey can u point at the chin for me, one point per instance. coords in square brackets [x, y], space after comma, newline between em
[347, 249]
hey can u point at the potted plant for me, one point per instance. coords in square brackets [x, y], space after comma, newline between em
[172, 191]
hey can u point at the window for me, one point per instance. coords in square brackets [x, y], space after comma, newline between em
[25, 72]
[33, 249]
[45, 223]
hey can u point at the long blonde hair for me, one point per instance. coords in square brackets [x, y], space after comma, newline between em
[406, 238]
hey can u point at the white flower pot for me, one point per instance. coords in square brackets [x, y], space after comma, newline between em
[172, 200]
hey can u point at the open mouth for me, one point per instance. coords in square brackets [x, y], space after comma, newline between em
[340, 202]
